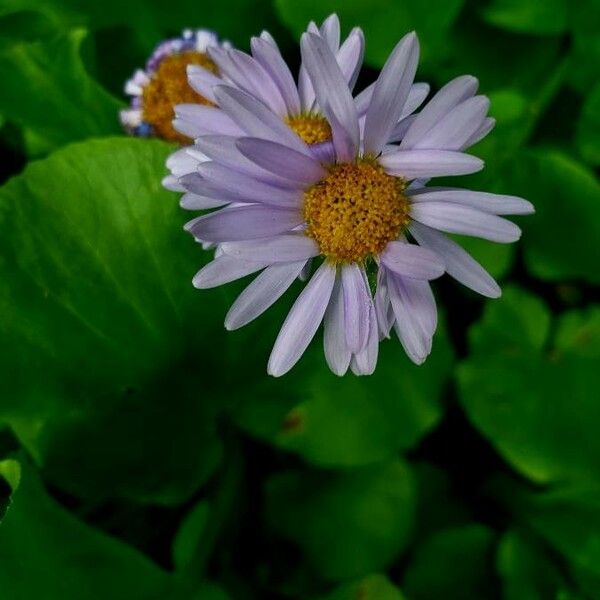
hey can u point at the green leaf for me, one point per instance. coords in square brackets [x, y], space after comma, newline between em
[584, 55]
[47, 553]
[523, 63]
[528, 16]
[158, 19]
[383, 21]
[348, 524]
[10, 477]
[189, 534]
[47, 90]
[372, 587]
[350, 421]
[567, 518]
[526, 570]
[24, 26]
[116, 376]
[566, 197]
[588, 128]
[452, 564]
[536, 400]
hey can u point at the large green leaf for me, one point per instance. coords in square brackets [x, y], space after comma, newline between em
[526, 569]
[528, 16]
[560, 240]
[47, 90]
[568, 519]
[47, 553]
[536, 399]
[383, 21]
[453, 564]
[349, 524]
[349, 421]
[115, 359]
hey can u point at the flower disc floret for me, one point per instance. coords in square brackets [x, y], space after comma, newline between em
[312, 128]
[355, 211]
[169, 87]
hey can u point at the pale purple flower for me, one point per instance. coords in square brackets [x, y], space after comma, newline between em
[265, 76]
[351, 212]
[198, 42]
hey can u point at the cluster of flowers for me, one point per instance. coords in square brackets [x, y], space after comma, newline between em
[308, 181]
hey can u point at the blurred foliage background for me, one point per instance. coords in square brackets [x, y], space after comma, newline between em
[144, 452]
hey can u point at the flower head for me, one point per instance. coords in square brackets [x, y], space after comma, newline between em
[359, 211]
[163, 84]
[265, 76]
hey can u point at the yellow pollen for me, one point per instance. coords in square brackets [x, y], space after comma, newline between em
[312, 128]
[355, 211]
[169, 87]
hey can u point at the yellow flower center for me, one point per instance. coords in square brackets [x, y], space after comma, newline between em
[312, 128]
[355, 211]
[169, 87]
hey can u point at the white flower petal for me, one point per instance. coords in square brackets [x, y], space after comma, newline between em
[357, 301]
[459, 263]
[390, 93]
[239, 223]
[412, 261]
[224, 269]
[302, 321]
[262, 293]
[336, 349]
[333, 93]
[413, 164]
[289, 247]
[495, 204]
[282, 160]
[454, 218]
[446, 99]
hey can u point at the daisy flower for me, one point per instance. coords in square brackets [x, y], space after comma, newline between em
[163, 84]
[265, 76]
[353, 211]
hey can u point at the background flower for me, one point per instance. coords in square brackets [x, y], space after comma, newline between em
[163, 84]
